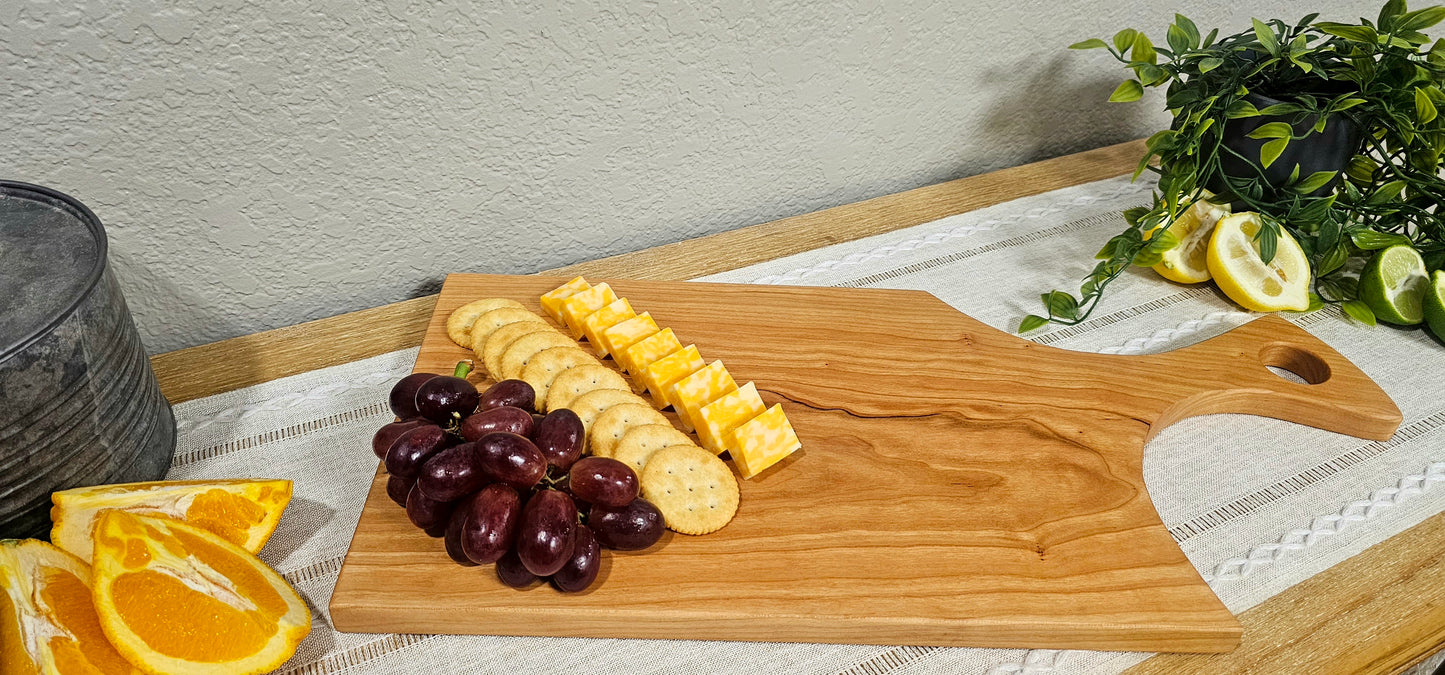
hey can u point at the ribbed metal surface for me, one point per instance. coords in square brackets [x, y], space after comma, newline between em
[79, 404]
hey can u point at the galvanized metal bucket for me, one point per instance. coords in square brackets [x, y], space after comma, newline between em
[79, 404]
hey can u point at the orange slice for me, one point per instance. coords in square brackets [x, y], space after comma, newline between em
[243, 512]
[174, 598]
[47, 624]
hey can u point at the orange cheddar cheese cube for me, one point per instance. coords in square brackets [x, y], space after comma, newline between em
[552, 300]
[651, 348]
[582, 303]
[699, 389]
[623, 335]
[762, 442]
[728, 412]
[602, 319]
[668, 369]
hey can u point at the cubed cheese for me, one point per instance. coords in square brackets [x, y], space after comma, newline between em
[699, 389]
[623, 335]
[762, 442]
[669, 369]
[729, 411]
[651, 348]
[582, 303]
[552, 300]
[605, 318]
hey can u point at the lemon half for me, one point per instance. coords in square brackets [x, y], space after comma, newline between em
[1234, 262]
[1186, 263]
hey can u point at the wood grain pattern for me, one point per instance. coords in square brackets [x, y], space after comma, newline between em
[261, 357]
[958, 485]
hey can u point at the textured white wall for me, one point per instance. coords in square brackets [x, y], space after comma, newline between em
[261, 163]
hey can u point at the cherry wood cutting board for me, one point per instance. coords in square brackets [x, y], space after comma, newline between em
[957, 486]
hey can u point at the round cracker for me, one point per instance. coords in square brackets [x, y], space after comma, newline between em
[459, 323]
[546, 365]
[497, 342]
[577, 381]
[694, 490]
[521, 350]
[593, 403]
[489, 322]
[610, 426]
[640, 442]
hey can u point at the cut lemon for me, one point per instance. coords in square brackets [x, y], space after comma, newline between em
[1186, 262]
[47, 624]
[243, 512]
[1234, 262]
[174, 598]
[1435, 304]
[1394, 285]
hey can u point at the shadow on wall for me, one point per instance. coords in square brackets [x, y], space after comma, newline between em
[1044, 111]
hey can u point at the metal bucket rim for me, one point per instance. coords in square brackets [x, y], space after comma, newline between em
[92, 222]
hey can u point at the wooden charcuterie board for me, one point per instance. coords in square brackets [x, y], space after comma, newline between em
[957, 486]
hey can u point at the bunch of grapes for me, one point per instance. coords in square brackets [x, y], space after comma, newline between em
[505, 485]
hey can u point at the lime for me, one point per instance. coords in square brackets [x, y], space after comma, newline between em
[1237, 268]
[1435, 304]
[1185, 263]
[1393, 285]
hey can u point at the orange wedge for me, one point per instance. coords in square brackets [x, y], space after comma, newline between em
[243, 512]
[47, 624]
[174, 598]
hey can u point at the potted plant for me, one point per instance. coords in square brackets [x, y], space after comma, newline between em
[1329, 135]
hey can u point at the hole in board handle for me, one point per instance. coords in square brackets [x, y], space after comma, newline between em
[1308, 368]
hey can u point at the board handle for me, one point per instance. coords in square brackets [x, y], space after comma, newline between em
[1234, 377]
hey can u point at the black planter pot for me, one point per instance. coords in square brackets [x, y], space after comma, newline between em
[1328, 150]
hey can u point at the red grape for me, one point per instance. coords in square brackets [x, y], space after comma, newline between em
[582, 566]
[514, 393]
[413, 448]
[427, 514]
[604, 481]
[491, 523]
[547, 532]
[453, 536]
[512, 572]
[452, 473]
[388, 434]
[511, 459]
[446, 398]
[629, 528]
[506, 418]
[559, 436]
[398, 488]
[403, 394]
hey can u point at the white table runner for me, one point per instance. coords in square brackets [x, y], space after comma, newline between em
[1257, 504]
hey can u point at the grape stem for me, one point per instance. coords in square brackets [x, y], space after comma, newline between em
[463, 367]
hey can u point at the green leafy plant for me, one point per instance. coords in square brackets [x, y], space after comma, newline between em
[1378, 75]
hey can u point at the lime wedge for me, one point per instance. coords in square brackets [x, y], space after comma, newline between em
[1393, 285]
[1435, 304]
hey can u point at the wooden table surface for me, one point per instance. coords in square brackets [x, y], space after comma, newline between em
[1379, 612]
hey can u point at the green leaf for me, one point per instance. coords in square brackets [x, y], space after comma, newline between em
[1392, 9]
[1361, 168]
[1266, 37]
[1241, 109]
[1178, 40]
[1143, 49]
[1132, 215]
[1371, 240]
[1151, 75]
[1124, 39]
[1209, 63]
[1128, 90]
[1282, 109]
[1268, 239]
[1032, 322]
[1061, 304]
[1332, 260]
[1091, 43]
[1346, 104]
[1209, 39]
[1362, 34]
[1386, 193]
[1424, 107]
[1271, 151]
[1359, 311]
[1314, 182]
[1272, 130]
[1316, 304]
[1420, 19]
[1190, 30]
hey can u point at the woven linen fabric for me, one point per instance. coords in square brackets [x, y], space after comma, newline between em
[1258, 505]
